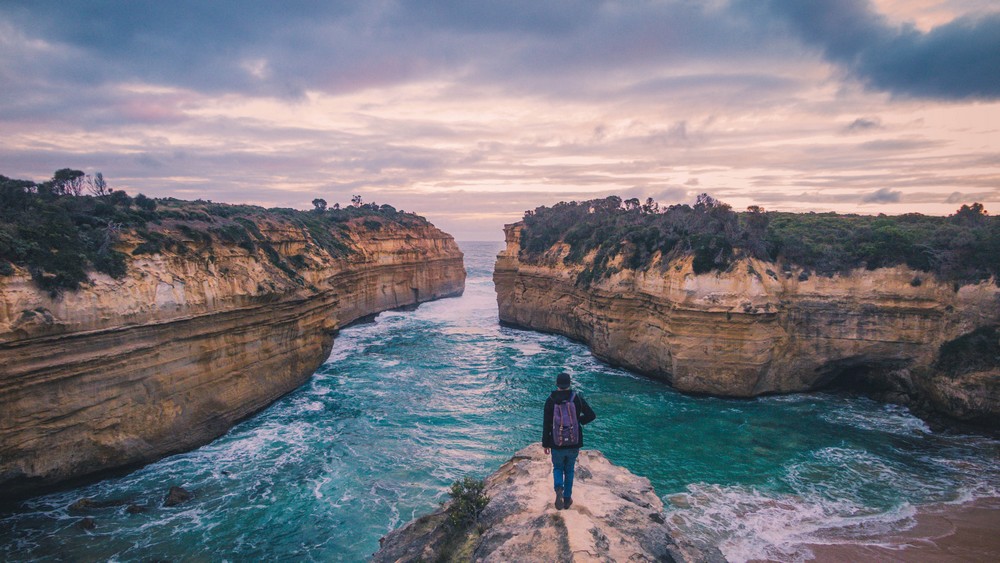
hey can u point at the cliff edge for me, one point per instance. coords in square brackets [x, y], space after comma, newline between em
[616, 516]
[757, 329]
[237, 310]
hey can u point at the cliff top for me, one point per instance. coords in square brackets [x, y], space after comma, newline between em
[608, 235]
[616, 516]
[60, 234]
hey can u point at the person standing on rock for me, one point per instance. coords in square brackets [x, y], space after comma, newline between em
[566, 411]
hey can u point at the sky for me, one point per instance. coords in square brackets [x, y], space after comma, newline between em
[471, 112]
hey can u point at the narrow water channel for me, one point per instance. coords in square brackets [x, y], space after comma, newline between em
[418, 399]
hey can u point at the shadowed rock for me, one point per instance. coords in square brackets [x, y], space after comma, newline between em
[176, 495]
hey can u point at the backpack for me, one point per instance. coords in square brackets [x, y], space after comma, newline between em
[565, 426]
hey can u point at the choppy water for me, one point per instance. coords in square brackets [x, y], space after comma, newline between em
[410, 403]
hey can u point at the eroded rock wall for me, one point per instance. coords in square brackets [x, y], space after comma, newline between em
[753, 330]
[123, 372]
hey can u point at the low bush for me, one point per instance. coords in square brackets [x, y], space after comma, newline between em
[964, 247]
[59, 233]
[468, 501]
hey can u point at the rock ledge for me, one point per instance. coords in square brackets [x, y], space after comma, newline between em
[616, 516]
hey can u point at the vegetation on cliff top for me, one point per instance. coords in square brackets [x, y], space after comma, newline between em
[65, 227]
[964, 247]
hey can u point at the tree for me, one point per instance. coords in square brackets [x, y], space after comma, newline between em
[969, 215]
[98, 186]
[650, 206]
[756, 231]
[67, 181]
[356, 201]
[319, 205]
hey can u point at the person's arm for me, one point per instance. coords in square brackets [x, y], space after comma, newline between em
[586, 414]
[547, 440]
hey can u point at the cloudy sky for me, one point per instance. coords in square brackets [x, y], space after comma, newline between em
[470, 112]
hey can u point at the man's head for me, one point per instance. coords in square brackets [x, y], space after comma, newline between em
[563, 381]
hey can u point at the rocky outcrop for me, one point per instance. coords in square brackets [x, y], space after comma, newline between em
[615, 516]
[190, 341]
[757, 329]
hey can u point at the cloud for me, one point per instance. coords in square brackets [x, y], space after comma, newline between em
[862, 124]
[474, 112]
[884, 195]
[956, 60]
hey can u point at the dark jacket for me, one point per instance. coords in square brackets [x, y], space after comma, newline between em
[583, 413]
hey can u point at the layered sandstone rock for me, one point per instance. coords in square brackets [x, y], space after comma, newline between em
[755, 329]
[122, 372]
[616, 516]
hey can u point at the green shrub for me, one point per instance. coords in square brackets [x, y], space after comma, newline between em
[145, 203]
[964, 247]
[468, 501]
[59, 234]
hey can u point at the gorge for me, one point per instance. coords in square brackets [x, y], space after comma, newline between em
[416, 400]
[222, 310]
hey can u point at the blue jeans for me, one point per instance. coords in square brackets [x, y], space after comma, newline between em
[563, 467]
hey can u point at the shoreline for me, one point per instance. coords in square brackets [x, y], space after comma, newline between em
[942, 533]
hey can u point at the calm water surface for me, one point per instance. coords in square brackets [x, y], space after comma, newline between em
[416, 400]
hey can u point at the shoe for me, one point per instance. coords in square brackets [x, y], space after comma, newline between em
[559, 498]
[567, 502]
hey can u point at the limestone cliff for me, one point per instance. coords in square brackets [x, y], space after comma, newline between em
[616, 516]
[752, 330]
[191, 340]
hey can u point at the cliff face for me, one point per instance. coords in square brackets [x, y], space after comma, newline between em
[122, 372]
[616, 516]
[752, 330]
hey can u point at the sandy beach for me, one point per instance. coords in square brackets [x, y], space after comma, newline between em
[943, 533]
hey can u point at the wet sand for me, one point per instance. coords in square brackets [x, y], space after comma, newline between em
[943, 533]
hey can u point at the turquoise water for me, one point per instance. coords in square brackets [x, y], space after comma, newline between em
[415, 400]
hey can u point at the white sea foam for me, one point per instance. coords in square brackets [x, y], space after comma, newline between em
[528, 348]
[893, 419]
[319, 484]
[748, 524]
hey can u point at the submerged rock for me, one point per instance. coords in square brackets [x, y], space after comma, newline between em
[176, 495]
[615, 516]
[86, 504]
[87, 523]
